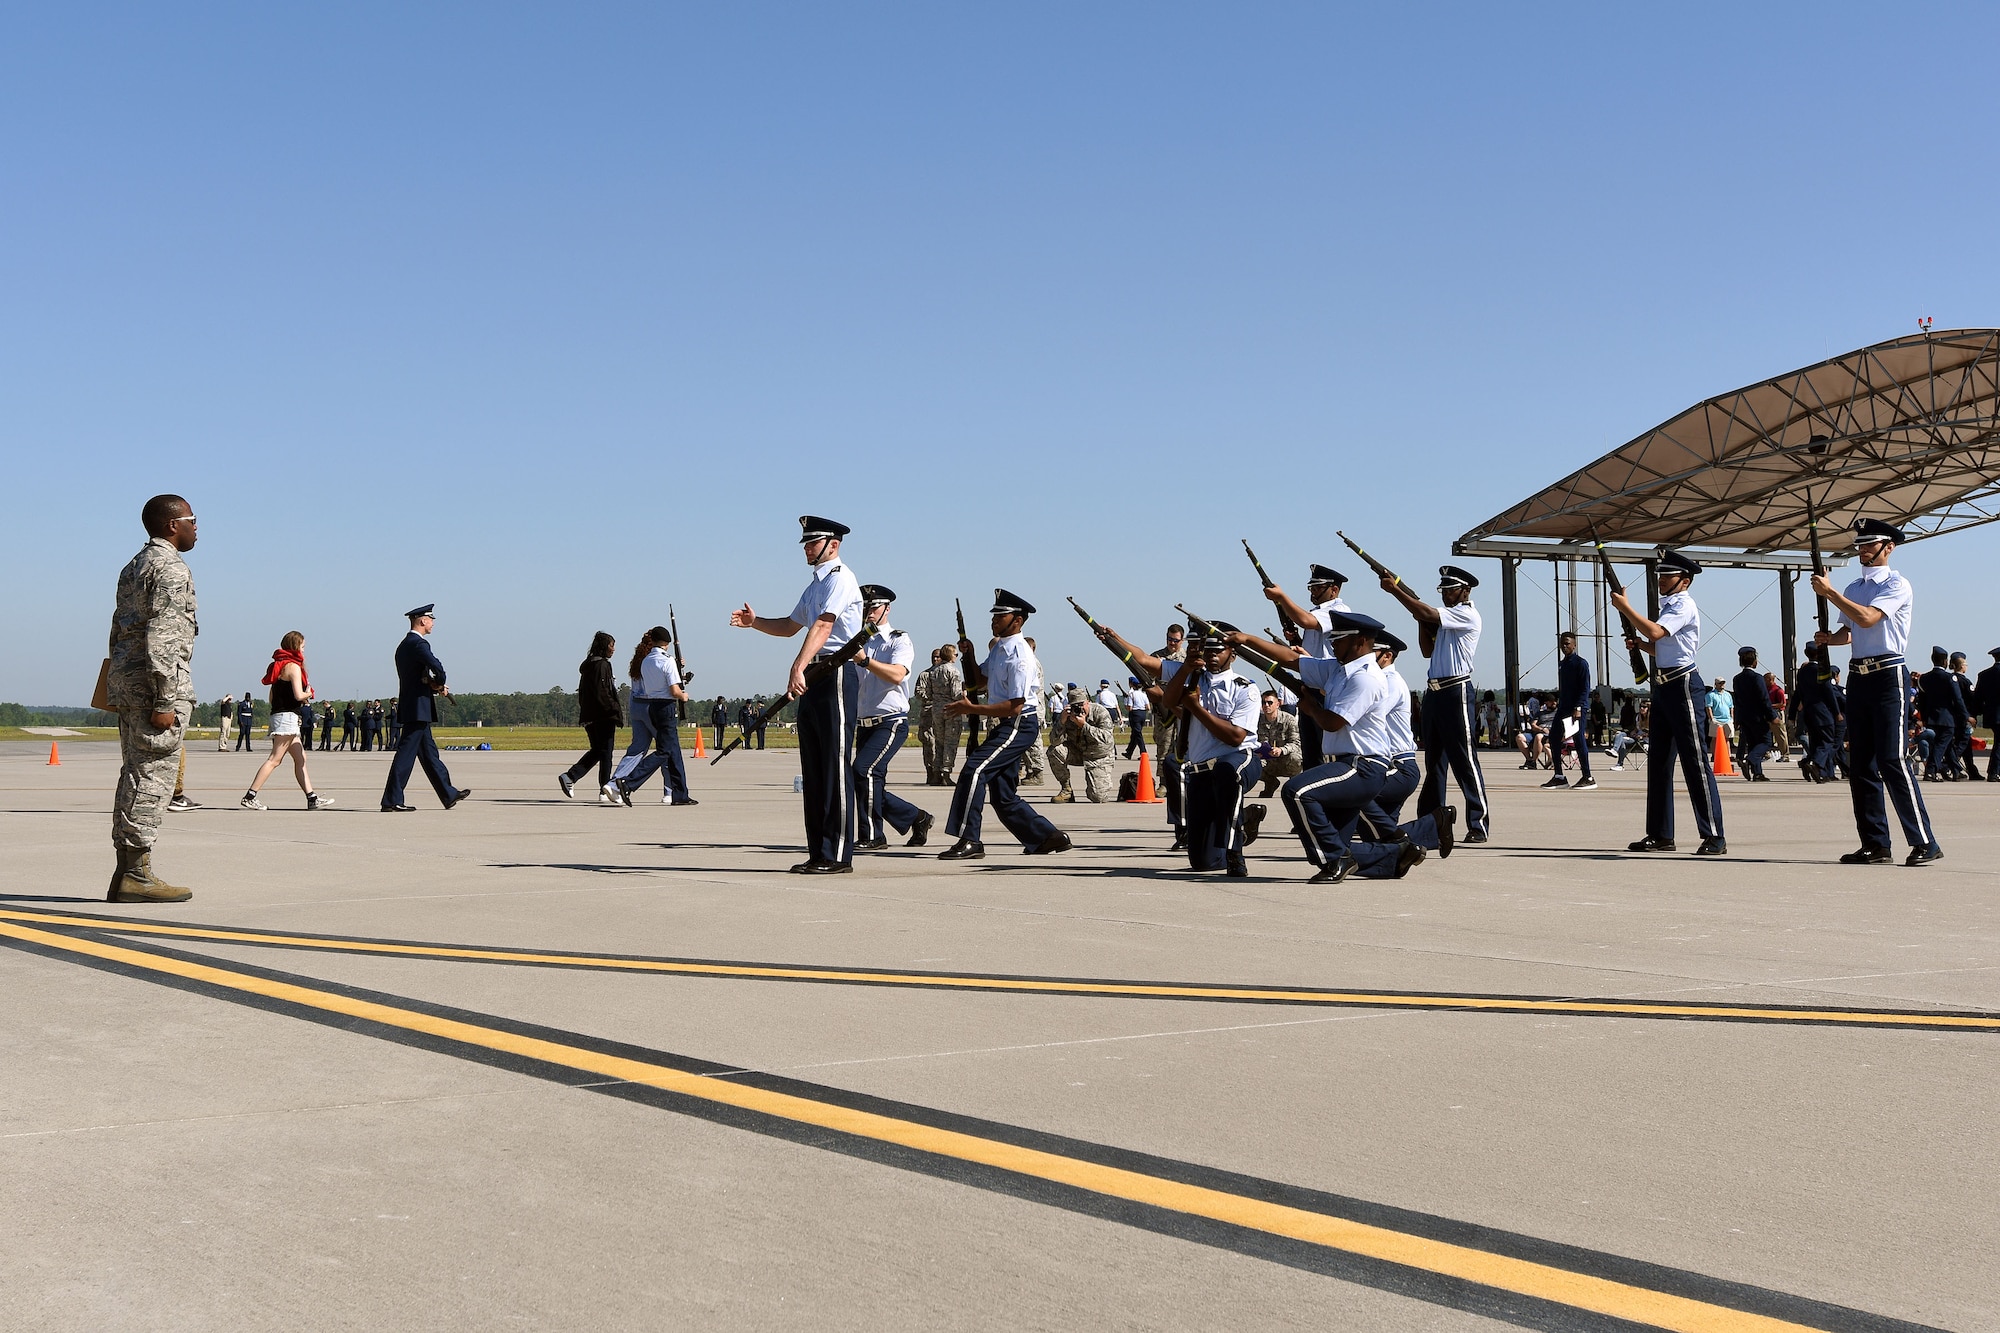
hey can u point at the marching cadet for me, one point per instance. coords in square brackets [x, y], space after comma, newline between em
[1219, 711]
[1875, 620]
[1011, 679]
[420, 680]
[829, 611]
[1323, 585]
[884, 712]
[1434, 831]
[1448, 634]
[1676, 721]
[147, 683]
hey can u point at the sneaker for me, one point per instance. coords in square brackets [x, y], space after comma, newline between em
[250, 802]
[181, 802]
[1588, 784]
[616, 795]
[1618, 768]
[568, 786]
[314, 801]
[1557, 781]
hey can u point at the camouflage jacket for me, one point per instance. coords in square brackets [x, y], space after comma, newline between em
[939, 685]
[1281, 733]
[1088, 741]
[152, 631]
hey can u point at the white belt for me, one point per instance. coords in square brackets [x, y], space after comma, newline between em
[1863, 666]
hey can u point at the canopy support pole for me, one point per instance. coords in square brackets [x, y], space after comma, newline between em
[1510, 617]
[1788, 625]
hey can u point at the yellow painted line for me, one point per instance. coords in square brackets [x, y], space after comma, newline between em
[1050, 986]
[1542, 1281]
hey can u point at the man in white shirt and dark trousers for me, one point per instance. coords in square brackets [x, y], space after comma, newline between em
[829, 611]
[1448, 634]
[1676, 725]
[1219, 708]
[884, 725]
[1875, 620]
[1011, 680]
[1137, 709]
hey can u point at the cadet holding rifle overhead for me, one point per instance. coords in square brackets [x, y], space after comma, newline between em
[1448, 634]
[1323, 585]
[829, 611]
[1008, 680]
[1152, 669]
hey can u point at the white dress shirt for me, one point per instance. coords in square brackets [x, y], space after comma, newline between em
[879, 698]
[835, 591]
[1231, 698]
[1013, 673]
[1457, 641]
[1890, 593]
[1681, 619]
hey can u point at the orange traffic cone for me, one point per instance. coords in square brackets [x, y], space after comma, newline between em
[1723, 768]
[55, 759]
[1146, 794]
[699, 752]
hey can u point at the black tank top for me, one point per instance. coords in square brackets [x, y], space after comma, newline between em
[284, 698]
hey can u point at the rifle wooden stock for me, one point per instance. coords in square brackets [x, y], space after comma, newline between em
[814, 673]
[1145, 676]
[1382, 571]
[1284, 618]
[1640, 671]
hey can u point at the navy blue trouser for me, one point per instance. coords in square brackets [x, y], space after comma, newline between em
[1755, 742]
[1173, 787]
[665, 715]
[417, 746]
[1574, 729]
[1214, 794]
[826, 762]
[874, 747]
[994, 765]
[1449, 724]
[1138, 741]
[1676, 734]
[1325, 803]
[1822, 741]
[1878, 729]
[1944, 745]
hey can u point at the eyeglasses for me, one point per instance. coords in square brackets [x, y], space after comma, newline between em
[185, 518]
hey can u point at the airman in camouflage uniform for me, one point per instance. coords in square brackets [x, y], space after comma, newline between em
[1089, 740]
[1034, 769]
[149, 685]
[1280, 731]
[946, 683]
[920, 704]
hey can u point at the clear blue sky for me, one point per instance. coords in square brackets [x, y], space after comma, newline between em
[551, 314]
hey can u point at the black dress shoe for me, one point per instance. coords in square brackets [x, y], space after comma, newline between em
[1180, 842]
[1410, 857]
[1923, 856]
[1713, 847]
[1333, 874]
[1055, 842]
[809, 866]
[398, 809]
[1236, 868]
[1651, 845]
[1868, 856]
[872, 845]
[920, 831]
[1253, 822]
[689, 801]
[1475, 836]
[965, 849]
[1447, 821]
[826, 868]
[458, 796]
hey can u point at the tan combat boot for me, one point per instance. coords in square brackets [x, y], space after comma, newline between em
[1063, 797]
[135, 882]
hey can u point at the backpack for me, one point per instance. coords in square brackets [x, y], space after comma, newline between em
[1128, 787]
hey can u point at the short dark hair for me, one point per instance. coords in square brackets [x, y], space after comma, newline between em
[160, 513]
[1270, 694]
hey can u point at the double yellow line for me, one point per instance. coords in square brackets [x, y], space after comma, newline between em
[1534, 1290]
[1933, 1019]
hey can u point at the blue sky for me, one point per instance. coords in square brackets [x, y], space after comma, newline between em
[554, 314]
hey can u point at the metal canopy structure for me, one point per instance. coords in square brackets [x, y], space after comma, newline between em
[1906, 430]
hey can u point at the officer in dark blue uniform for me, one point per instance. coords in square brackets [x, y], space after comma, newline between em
[1572, 720]
[1938, 701]
[1753, 714]
[1985, 700]
[1673, 641]
[829, 611]
[1819, 716]
[419, 680]
[1875, 612]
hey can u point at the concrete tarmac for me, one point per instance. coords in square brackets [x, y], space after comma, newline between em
[191, 1138]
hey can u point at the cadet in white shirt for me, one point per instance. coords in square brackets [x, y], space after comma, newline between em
[1011, 678]
[1875, 619]
[1448, 634]
[884, 726]
[1432, 832]
[1137, 709]
[1676, 718]
[829, 611]
[660, 679]
[1219, 709]
[1323, 585]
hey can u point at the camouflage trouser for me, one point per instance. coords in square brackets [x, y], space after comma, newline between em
[1100, 776]
[945, 735]
[1277, 770]
[927, 740]
[1165, 724]
[151, 760]
[1033, 770]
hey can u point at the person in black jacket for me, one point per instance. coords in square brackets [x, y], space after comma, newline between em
[1937, 699]
[1985, 701]
[719, 718]
[597, 710]
[1753, 715]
